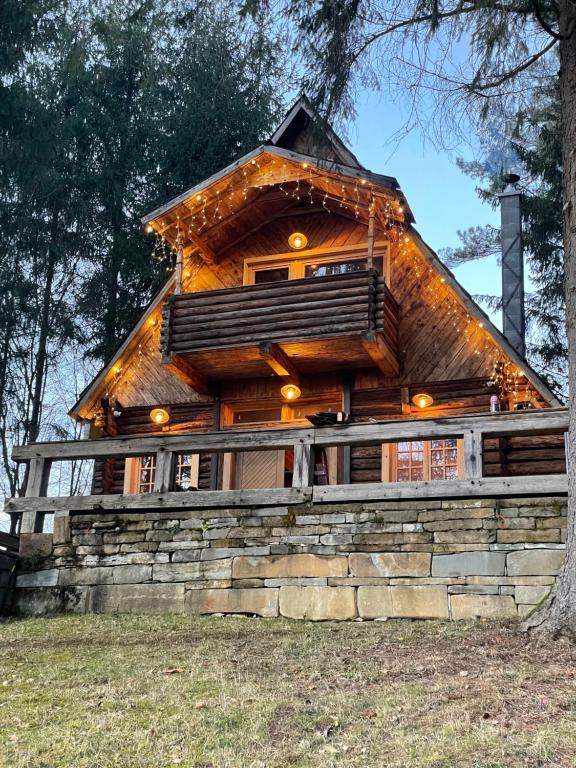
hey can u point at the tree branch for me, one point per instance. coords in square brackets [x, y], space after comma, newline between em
[480, 88]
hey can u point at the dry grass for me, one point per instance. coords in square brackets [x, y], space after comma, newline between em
[131, 691]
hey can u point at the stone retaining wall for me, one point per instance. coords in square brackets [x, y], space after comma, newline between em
[429, 559]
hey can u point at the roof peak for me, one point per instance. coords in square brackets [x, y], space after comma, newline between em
[303, 130]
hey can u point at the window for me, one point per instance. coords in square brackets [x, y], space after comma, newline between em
[273, 275]
[340, 267]
[306, 264]
[140, 474]
[422, 460]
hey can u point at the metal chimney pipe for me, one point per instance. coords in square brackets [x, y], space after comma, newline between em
[513, 312]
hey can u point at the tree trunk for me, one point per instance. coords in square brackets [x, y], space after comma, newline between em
[557, 615]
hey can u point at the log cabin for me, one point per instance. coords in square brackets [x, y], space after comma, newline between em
[300, 287]
[310, 382]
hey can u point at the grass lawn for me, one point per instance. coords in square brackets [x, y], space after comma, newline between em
[138, 691]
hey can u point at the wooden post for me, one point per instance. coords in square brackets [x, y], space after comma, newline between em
[370, 258]
[303, 475]
[215, 458]
[346, 450]
[164, 478]
[178, 269]
[38, 477]
[472, 454]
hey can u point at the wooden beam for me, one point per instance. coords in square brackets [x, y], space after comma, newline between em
[487, 487]
[278, 360]
[381, 356]
[165, 468]
[203, 248]
[472, 454]
[95, 505]
[303, 474]
[187, 373]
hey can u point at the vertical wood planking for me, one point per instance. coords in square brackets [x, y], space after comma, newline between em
[472, 454]
[303, 474]
[38, 477]
[164, 479]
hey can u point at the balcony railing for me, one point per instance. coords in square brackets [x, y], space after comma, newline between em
[312, 320]
[470, 429]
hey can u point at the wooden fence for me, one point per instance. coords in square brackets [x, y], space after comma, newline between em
[472, 430]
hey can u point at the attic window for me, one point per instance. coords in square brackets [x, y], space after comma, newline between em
[315, 263]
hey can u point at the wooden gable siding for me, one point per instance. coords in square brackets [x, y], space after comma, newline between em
[438, 340]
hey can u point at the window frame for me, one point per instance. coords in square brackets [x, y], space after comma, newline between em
[389, 460]
[297, 261]
[133, 468]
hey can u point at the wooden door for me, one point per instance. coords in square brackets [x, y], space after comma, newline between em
[259, 469]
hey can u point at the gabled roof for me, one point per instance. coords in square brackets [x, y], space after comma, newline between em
[301, 126]
[333, 174]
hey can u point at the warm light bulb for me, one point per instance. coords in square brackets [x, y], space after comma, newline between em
[290, 391]
[297, 241]
[159, 416]
[422, 400]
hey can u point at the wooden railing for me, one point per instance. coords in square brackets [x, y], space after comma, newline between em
[339, 305]
[470, 429]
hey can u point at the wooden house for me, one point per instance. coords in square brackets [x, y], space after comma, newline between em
[312, 418]
[297, 266]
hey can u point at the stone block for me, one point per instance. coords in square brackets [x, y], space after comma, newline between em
[390, 564]
[386, 539]
[455, 513]
[212, 569]
[87, 539]
[136, 598]
[296, 581]
[483, 606]
[262, 602]
[186, 556]
[140, 546]
[61, 529]
[35, 544]
[282, 566]
[336, 538]
[551, 536]
[535, 562]
[517, 523]
[551, 522]
[48, 578]
[225, 552]
[531, 595]
[131, 574]
[469, 564]
[426, 602]
[247, 583]
[473, 589]
[464, 537]
[453, 525]
[70, 577]
[125, 537]
[49, 600]
[318, 603]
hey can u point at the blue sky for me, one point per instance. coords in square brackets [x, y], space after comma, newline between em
[442, 198]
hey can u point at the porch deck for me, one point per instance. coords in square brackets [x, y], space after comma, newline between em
[473, 430]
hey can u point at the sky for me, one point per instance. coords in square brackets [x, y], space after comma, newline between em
[442, 198]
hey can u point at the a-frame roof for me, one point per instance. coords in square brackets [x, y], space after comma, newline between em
[335, 177]
[300, 130]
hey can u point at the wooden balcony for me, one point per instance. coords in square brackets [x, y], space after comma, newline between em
[299, 326]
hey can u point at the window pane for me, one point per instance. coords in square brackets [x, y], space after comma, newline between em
[451, 443]
[451, 456]
[451, 473]
[340, 267]
[437, 458]
[437, 473]
[403, 474]
[437, 443]
[256, 416]
[417, 473]
[418, 458]
[272, 275]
